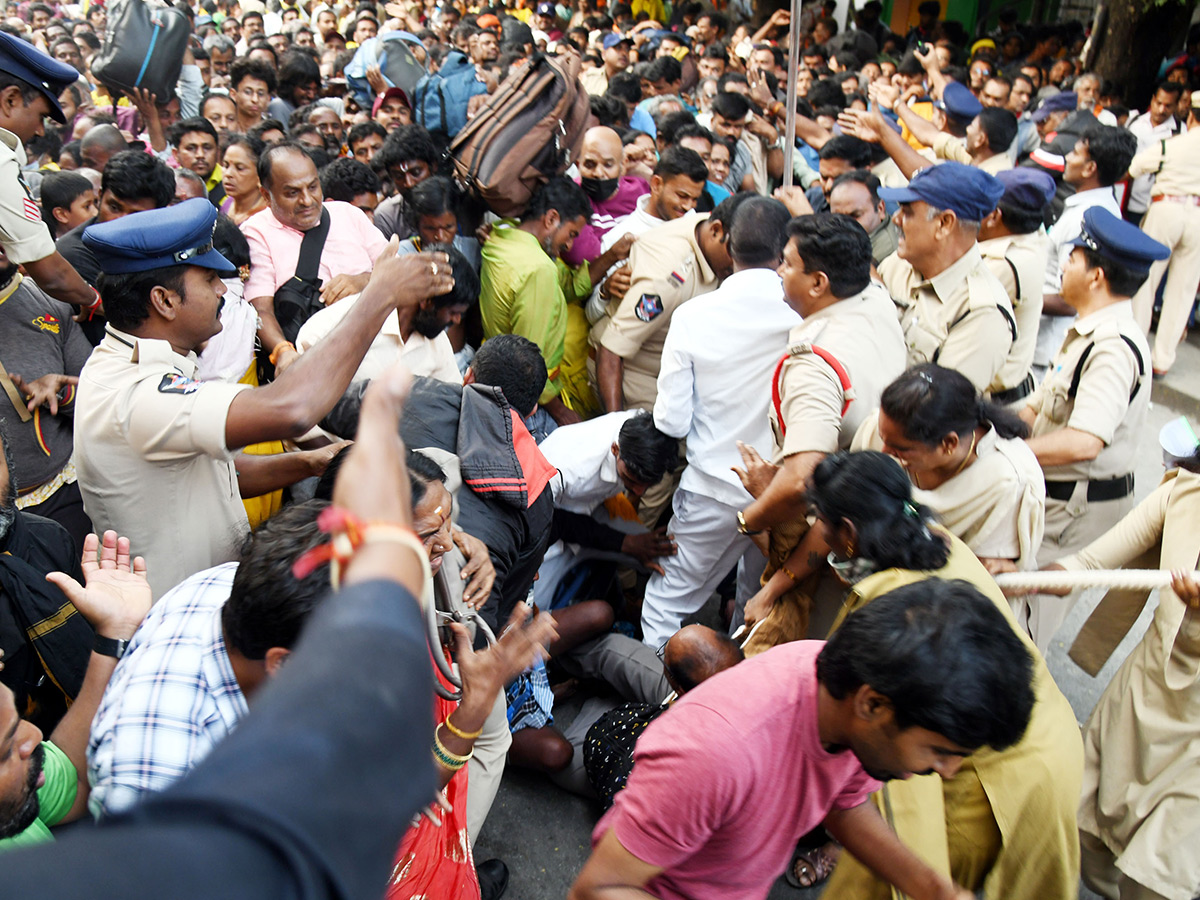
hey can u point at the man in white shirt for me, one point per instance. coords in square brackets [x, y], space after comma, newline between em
[1100, 158]
[416, 335]
[1156, 124]
[714, 389]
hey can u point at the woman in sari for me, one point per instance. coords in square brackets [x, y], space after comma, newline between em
[243, 193]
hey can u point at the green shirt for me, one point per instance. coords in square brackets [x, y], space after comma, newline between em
[520, 294]
[55, 799]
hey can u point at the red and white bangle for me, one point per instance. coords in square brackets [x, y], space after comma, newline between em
[347, 533]
[91, 310]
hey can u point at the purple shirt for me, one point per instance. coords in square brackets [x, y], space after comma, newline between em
[605, 214]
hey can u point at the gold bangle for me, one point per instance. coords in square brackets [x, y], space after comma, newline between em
[457, 732]
[789, 573]
[445, 757]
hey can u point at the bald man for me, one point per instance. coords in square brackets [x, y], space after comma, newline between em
[614, 194]
[101, 144]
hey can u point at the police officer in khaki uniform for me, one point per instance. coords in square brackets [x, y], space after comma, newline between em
[847, 349]
[953, 310]
[30, 83]
[669, 265]
[1085, 416]
[1015, 247]
[154, 447]
[1174, 219]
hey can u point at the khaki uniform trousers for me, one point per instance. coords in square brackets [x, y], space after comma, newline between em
[1178, 226]
[1099, 870]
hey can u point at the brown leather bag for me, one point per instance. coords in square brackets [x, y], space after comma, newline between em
[528, 131]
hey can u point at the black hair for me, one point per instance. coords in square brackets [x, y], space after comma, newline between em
[137, 175]
[609, 111]
[28, 92]
[515, 365]
[59, 191]
[647, 452]
[211, 95]
[229, 241]
[865, 178]
[931, 402]
[187, 126]
[1000, 127]
[408, 142]
[268, 605]
[127, 297]
[855, 151]
[731, 78]
[694, 130]
[1174, 88]
[625, 86]
[945, 657]
[432, 197]
[346, 178]
[836, 245]
[681, 161]
[632, 134]
[266, 159]
[664, 68]
[815, 50]
[364, 130]
[872, 491]
[826, 93]
[562, 195]
[731, 107]
[466, 280]
[669, 124]
[1018, 219]
[1122, 280]
[716, 50]
[758, 232]
[297, 70]
[256, 132]
[723, 214]
[1112, 150]
[244, 67]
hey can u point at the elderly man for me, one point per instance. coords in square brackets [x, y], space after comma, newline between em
[614, 194]
[744, 325]
[150, 440]
[952, 308]
[335, 241]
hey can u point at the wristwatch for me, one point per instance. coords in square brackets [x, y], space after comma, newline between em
[107, 646]
[742, 529]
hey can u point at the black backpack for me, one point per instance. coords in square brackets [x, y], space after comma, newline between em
[143, 48]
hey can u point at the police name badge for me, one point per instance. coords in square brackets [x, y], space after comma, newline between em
[648, 308]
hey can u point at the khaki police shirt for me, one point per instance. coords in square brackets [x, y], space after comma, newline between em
[667, 269]
[960, 318]
[947, 146]
[1179, 158]
[151, 456]
[23, 234]
[1101, 406]
[861, 333]
[1019, 262]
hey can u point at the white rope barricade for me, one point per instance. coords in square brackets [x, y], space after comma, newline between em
[1118, 579]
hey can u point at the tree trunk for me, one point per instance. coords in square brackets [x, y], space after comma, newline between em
[1138, 34]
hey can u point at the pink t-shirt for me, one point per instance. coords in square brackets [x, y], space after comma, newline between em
[351, 248]
[605, 214]
[726, 782]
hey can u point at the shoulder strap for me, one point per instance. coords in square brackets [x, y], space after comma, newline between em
[838, 368]
[1012, 323]
[1163, 157]
[1137, 355]
[19, 405]
[311, 247]
[1016, 280]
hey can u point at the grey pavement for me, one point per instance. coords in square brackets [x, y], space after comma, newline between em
[543, 833]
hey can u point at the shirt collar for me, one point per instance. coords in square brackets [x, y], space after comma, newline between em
[951, 278]
[1088, 197]
[1085, 325]
[150, 352]
[218, 174]
[706, 271]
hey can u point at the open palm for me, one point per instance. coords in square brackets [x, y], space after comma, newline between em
[117, 595]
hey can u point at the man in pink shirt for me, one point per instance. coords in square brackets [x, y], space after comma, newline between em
[726, 782]
[293, 189]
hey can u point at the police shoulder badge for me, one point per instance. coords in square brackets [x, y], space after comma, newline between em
[648, 308]
[174, 383]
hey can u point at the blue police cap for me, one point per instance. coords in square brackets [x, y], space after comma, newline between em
[178, 235]
[959, 103]
[611, 40]
[25, 61]
[969, 191]
[1028, 189]
[1115, 239]
[1063, 100]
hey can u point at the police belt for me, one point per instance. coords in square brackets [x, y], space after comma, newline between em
[1108, 489]
[1013, 394]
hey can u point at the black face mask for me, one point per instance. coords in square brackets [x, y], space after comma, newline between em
[599, 188]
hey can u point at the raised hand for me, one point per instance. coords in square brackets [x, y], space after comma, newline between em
[117, 595]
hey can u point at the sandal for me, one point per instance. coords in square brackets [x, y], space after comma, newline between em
[810, 867]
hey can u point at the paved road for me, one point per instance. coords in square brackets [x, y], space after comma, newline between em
[543, 832]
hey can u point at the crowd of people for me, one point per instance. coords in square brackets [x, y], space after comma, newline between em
[725, 436]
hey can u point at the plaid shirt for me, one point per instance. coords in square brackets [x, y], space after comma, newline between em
[172, 697]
